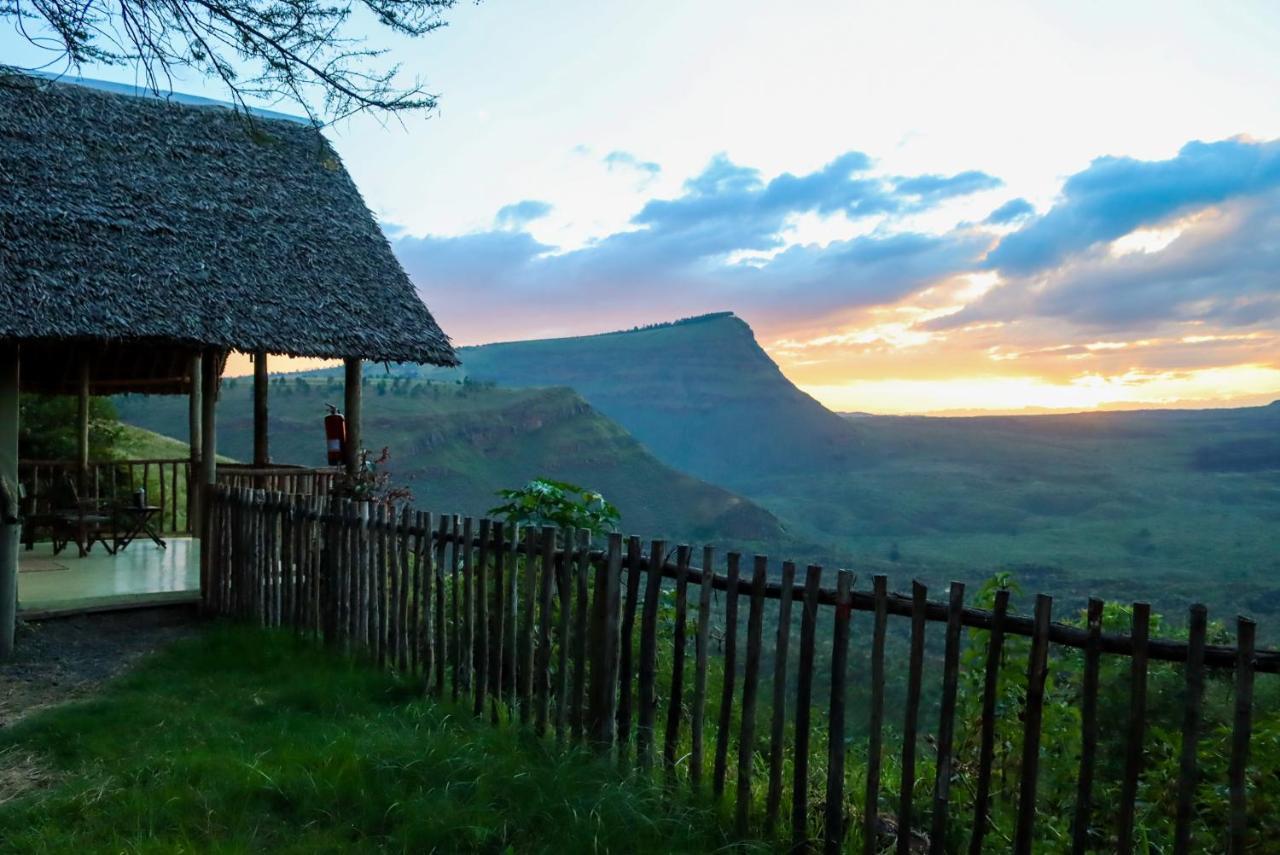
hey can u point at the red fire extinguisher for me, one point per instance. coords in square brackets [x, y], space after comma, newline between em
[335, 434]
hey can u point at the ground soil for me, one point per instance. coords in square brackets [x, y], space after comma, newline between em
[63, 659]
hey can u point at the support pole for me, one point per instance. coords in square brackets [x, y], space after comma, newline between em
[261, 381]
[194, 433]
[208, 473]
[82, 428]
[352, 390]
[9, 529]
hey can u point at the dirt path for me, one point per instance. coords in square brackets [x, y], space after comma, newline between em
[67, 658]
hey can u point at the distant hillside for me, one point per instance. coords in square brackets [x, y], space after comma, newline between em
[1121, 504]
[457, 444]
[700, 393]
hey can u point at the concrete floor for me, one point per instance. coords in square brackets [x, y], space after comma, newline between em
[142, 574]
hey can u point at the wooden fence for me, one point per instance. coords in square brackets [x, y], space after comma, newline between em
[538, 626]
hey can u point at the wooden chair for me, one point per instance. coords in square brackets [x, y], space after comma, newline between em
[81, 521]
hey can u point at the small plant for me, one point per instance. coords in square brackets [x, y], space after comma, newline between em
[372, 482]
[557, 503]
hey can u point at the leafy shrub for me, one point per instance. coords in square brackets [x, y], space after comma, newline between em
[544, 502]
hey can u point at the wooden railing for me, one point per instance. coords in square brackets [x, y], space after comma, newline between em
[539, 626]
[291, 480]
[50, 483]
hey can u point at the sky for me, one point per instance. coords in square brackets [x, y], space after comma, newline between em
[919, 208]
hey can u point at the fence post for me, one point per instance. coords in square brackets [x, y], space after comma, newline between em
[1037, 670]
[542, 669]
[696, 758]
[990, 691]
[750, 686]
[833, 836]
[626, 649]
[1197, 625]
[947, 722]
[779, 724]
[604, 646]
[675, 706]
[1241, 731]
[906, 795]
[649, 655]
[1137, 725]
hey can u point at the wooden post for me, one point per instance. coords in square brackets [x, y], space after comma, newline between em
[602, 690]
[990, 690]
[1137, 727]
[208, 452]
[352, 404]
[1187, 772]
[833, 832]
[947, 722]
[9, 529]
[194, 432]
[750, 686]
[82, 428]
[700, 669]
[675, 706]
[778, 727]
[261, 382]
[577, 717]
[1033, 712]
[804, 699]
[626, 650]
[906, 788]
[1242, 730]
[648, 699]
[720, 769]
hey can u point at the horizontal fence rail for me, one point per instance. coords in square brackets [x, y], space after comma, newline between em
[591, 644]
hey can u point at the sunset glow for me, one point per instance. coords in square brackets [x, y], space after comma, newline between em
[1015, 206]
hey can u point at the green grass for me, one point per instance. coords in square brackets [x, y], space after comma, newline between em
[244, 740]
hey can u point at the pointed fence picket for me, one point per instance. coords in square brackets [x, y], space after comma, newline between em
[535, 626]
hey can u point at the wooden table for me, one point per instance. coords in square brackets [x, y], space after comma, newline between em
[139, 523]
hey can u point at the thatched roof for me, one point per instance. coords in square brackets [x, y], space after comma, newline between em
[136, 221]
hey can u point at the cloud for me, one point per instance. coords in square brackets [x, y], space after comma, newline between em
[520, 213]
[935, 188]
[1014, 209]
[626, 160]
[677, 258]
[1116, 195]
[1206, 289]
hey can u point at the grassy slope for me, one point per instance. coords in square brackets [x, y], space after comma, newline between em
[1119, 504]
[456, 445]
[250, 741]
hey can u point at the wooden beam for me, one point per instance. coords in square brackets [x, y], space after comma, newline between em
[261, 382]
[352, 390]
[208, 470]
[208, 417]
[195, 373]
[82, 425]
[9, 530]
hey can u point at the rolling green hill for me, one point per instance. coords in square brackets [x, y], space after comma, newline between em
[454, 445]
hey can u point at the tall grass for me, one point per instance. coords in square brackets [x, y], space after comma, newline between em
[251, 740]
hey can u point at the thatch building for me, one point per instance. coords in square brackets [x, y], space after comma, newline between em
[142, 240]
